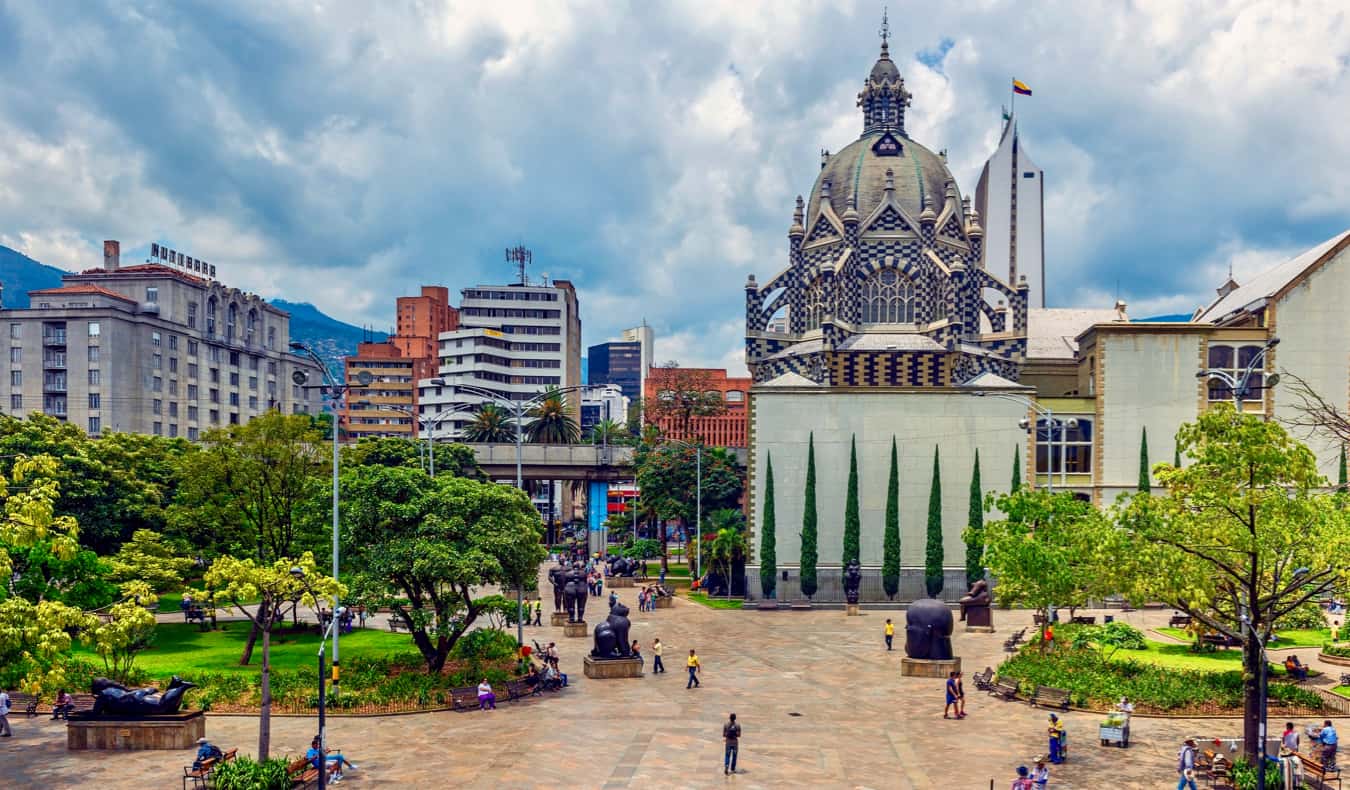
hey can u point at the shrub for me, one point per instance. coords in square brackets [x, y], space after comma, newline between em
[245, 773]
[1244, 776]
[485, 644]
[1308, 615]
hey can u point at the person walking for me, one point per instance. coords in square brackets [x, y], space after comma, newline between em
[613, 599]
[1186, 765]
[657, 666]
[1040, 775]
[890, 633]
[731, 734]
[1056, 733]
[694, 669]
[539, 612]
[1327, 737]
[1290, 738]
[4, 713]
[960, 696]
[951, 697]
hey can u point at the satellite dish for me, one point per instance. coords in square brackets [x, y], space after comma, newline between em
[300, 377]
[364, 377]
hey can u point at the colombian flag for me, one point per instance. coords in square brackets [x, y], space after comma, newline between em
[1021, 87]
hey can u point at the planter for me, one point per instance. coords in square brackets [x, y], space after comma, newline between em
[1337, 660]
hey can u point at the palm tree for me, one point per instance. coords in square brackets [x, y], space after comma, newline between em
[729, 543]
[609, 432]
[551, 424]
[492, 423]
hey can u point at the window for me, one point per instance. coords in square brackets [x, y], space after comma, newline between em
[250, 326]
[252, 363]
[173, 429]
[16, 402]
[152, 295]
[156, 406]
[173, 364]
[735, 396]
[215, 417]
[192, 348]
[214, 375]
[1234, 360]
[234, 418]
[157, 428]
[211, 317]
[94, 401]
[271, 368]
[1071, 445]
[253, 402]
[173, 386]
[271, 337]
[234, 358]
[888, 298]
[192, 392]
[815, 305]
[214, 396]
[157, 361]
[253, 382]
[94, 378]
[173, 342]
[93, 353]
[156, 384]
[95, 425]
[192, 434]
[154, 339]
[16, 378]
[192, 315]
[215, 354]
[231, 318]
[192, 370]
[15, 331]
[234, 399]
[173, 409]
[234, 379]
[192, 413]
[95, 329]
[16, 354]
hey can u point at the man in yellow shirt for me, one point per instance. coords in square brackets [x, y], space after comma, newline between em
[890, 633]
[694, 669]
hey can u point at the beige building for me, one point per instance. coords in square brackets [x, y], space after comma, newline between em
[153, 349]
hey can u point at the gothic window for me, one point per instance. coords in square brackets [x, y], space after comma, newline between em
[211, 317]
[231, 318]
[251, 326]
[815, 305]
[888, 298]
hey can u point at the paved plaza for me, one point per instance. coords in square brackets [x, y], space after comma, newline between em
[821, 702]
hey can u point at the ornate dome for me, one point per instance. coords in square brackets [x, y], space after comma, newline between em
[858, 170]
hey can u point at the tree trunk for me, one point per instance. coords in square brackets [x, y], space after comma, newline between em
[665, 552]
[261, 617]
[1251, 697]
[265, 712]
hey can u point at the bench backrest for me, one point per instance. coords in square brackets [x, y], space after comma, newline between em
[298, 766]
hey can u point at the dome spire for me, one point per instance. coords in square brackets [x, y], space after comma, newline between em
[883, 98]
[885, 34]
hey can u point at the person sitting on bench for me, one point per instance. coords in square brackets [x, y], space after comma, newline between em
[206, 751]
[1296, 668]
[63, 706]
[316, 758]
[486, 699]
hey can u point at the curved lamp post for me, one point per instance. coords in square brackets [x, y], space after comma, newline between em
[299, 573]
[1240, 384]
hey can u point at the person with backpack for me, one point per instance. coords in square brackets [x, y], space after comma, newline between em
[731, 734]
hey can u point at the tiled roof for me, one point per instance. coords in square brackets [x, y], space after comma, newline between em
[81, 289]
[1269, 282]
[157, 269]
[1051, 332]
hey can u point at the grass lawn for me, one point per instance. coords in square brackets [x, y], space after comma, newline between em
[1181, 657]
[181, 648]
[1311, 637]
[717, 603]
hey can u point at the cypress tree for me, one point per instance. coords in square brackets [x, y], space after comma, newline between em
[890, 555]
[975, 533]
[932, 572]
[852, 525]
[1017, 470]
[1341, 481]
[1176, 457]
[768, 550]
[1145, 483]
[808, 556]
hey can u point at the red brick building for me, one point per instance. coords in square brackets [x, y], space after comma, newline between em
[728, 429]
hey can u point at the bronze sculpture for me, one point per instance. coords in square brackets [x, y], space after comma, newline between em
[928, 630]
[574, 594]
[975, 606]
[852, 581]
[611, 636]
[113, 699]
[623, 566]
[557, 576]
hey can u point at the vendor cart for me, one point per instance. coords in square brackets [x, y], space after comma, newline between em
[1118, 733]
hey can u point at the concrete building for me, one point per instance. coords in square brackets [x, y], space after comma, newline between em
[385, 408]
[727, 429]
[617, 363]
[1010, 198]
[152, 348]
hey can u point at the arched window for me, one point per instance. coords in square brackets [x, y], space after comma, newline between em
[815, 305]
[231, 318]
[888, 298]
[251, 326]
[735, 396]
[211, 317]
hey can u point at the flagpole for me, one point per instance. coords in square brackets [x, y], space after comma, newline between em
[1012, 102]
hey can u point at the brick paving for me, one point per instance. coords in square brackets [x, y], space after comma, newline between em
[821, 702]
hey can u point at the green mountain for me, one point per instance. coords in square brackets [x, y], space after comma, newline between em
[331, 338]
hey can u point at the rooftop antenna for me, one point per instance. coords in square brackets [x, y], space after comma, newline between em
[885, 31]
[520, 257]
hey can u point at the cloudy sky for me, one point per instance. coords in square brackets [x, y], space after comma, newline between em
[343, 153]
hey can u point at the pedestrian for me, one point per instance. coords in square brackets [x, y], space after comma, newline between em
[1040, 776]
[890, 633]
[636, 650]
[599, 585]
[642, 600]
[1056, 733]
[694, 670]
[951, 697]
[613, 599]
[960, 696]
[539, 612]
[4, 712]
[1327, 737]
[1049, 636]
[1186, 765]
[657, 666]
[731, 733]
[1023, 781]
[1290, 739]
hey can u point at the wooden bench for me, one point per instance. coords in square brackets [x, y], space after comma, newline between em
[1179, 621]
[302, 773]
[1050, 697]
[517, 689]
[396, 624]
[984, 681]
[1220, 640]
[28, 701]
[201, 777]
[465, 698]
[1038, 619]
[1006, 689]
[1084, 621]
[1313, 769]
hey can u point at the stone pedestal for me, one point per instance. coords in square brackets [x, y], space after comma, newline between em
[576, 629]
[852, 610]
[609, 668]
[929, 668]
[767, 606]
[979, 629]
[665, 601]
[559, 619]
[619, 582]
[173, 731]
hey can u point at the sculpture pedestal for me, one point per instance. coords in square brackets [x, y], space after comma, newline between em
[619, 582]
[928, 667]
[767, 606]
[665, 601]
[172, 731]
[852, 610]
[576, 629]
[559, 619]
[608, 668]
[979, 629]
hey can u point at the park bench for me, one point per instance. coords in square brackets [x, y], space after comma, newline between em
[28, 701]
[465, 698]
[201, 777]
[1006, 689]
[1221, 640]
[517, 689]
[396, 624]
[1010, 644]
[1313, 769]
[984, 681]
[1038, 619]
[302, 774]
[1080, 620]
[82, 703]
[1050, 697]
[1179, 621]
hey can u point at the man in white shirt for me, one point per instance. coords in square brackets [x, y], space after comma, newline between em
[4, 715]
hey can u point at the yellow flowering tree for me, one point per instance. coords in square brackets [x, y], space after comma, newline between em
[125, 629]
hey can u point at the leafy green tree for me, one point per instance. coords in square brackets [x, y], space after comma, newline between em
[147, 558]
[79, 581]
[1243, 536]
[245, 493]
[1049, 550]
[1176, 456]
[451, 458]
[727, 547]
[610, 432]
[890, 552]
[852, 522]
[1017, 470]
[667, 477]
[128, 629]
[423, 546]
[768, 537]
[1145, 483]
[551, 422]
[974, 535]
[933, 556]
[682, 396]
[491, 424]
[808, 554]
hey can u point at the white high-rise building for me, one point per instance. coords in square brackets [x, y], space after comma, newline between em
[647, 338]
[1010, 198]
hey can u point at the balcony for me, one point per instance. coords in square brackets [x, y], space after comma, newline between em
[54, 339]
[54, 362]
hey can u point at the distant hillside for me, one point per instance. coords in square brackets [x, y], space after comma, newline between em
[331, 338]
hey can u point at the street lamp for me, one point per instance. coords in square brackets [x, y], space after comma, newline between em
[335, 391]
[299, 573]
[425, 423]
[518, 409]
[1240, 385]
[1263, 683]
[698, 507]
